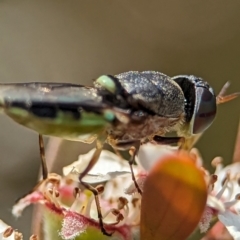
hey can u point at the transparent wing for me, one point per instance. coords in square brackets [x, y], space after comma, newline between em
[27, 95]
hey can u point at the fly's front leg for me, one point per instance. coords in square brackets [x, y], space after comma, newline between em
[133, 146]
[169, 140]
[190, 142]
[92, 162]
[183, 143]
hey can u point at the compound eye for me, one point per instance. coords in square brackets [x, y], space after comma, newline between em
[205, 109]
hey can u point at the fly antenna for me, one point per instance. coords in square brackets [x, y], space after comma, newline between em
[222, 98]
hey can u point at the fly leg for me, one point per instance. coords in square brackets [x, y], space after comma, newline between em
[190, 142]
[43, 164]
[169, 140]
[92, 162]
[43, 158]
[133, 146]
[182, 142]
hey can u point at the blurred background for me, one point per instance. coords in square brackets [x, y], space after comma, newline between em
[76, 41]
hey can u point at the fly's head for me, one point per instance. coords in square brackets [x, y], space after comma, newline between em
[200, 103]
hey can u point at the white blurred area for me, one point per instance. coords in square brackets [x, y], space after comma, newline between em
[76, 41]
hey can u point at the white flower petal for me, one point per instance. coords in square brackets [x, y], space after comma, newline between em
[3, 228]
[215, 203]
[233, 188]
[232, 223]
[116, 187]
[89, 178]
[150, 153]
[107, 167]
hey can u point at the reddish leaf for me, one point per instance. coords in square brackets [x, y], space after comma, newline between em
[173, 200]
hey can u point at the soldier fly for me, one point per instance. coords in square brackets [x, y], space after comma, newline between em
[125, 111]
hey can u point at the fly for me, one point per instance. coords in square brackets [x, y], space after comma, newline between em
[125, 110]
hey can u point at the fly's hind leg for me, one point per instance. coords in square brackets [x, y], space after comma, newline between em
[43, 165]
[92, 162]
[43, 158]
[133, 146]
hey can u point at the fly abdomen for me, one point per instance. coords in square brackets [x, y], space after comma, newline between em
[63, 110]
[43, 111]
